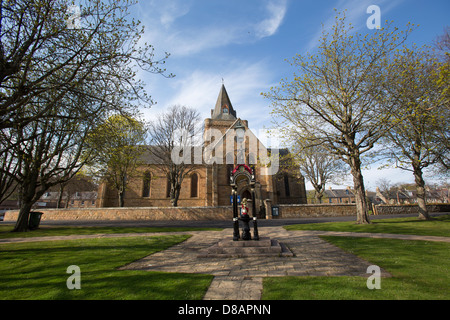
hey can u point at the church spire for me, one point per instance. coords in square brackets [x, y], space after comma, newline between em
[223, 109]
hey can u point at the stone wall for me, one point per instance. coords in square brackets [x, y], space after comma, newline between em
[315, 210]
[154, 213]
[187, 213]
[409, 208]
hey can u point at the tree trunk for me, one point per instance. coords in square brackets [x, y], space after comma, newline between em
[318, 195]
[121, 199]
[69, 197]
[60, 195]
[176, 195]
[22, 220]
[362, 209]
[121, 187]
[421, 196]
[27, 196]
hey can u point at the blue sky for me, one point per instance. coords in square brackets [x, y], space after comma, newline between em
[246, 42]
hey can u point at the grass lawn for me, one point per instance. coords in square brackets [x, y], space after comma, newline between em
[43, 231]
[439, 226]
[420, 269]
[38, 270]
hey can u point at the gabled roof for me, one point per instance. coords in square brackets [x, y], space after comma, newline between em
[339, 193]
[223, 102]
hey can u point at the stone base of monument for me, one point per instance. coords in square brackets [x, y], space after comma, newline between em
[228, 248]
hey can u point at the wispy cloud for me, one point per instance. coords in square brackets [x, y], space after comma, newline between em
[200, 89]
[165, 12]
[270, 25]
[195, 40]
[166, 29]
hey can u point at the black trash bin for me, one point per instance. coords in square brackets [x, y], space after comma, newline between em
[35, 220]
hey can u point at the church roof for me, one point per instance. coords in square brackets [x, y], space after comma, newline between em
[223, 109]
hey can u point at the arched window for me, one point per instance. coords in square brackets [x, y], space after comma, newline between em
[286, 186]
[194, 185]
[168, 186]
[147, 184]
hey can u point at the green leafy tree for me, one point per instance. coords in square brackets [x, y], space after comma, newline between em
[115, 148]
[336, 96]
[442, 78]
[420, 135]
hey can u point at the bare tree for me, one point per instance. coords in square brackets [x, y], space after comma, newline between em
[320, 167]
[59, 81]
[41, 53]
[48, 153]
[10, 166]
[384, 184]
[173, 136]
[335, 98]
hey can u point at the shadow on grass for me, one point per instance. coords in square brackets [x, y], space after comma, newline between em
[39, 270]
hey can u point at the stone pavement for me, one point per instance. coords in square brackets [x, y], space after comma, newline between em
[241, 278]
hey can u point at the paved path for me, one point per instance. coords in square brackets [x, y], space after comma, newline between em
[241, 278]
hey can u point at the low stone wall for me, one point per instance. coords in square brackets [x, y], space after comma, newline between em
[409, 208]
[289, 211]
[152, 213]
[185, 213]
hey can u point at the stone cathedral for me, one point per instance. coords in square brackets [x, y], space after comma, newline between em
[208, 184]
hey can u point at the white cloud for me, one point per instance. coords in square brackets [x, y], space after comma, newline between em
[167, 11]
[165, 29]
[270, 25]
[191, 41]
[244, 83]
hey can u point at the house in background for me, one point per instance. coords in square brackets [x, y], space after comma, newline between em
[339, 195]
[80, 199]
[406, 196]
